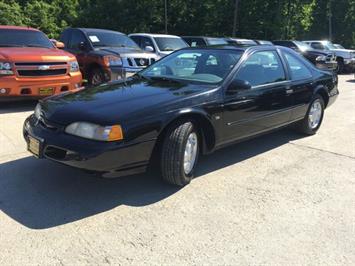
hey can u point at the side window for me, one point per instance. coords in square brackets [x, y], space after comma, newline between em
[317, 45]
[76, 38]
[137, 40]
[298, 69]
[145, 41]
[262, 68]
[64, 37]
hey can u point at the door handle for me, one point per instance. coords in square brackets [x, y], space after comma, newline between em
[289, 91]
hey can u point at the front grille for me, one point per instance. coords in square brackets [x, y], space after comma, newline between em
[40, 63]
[331, 57]
[41, 73]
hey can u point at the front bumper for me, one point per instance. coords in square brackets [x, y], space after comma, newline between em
[118, 73]
[31, 87]
[327, 65]
[112, 159]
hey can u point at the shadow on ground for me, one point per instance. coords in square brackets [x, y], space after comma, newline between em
[17, 107]
[41, 194]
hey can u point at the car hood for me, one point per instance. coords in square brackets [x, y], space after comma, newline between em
[126, 52]
[32, 54]
[123, 101]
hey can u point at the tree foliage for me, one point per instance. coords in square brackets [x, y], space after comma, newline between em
[257, 19]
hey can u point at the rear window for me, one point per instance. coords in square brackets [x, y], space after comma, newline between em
[166, 44]
[24, 38]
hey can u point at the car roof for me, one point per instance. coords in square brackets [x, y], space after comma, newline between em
[208, 37]
[155, 35]
[86, 30]
[4, 27]
[237, 48]
[321, 41]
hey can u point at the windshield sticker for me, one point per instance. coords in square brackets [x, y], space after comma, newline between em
[94, 38]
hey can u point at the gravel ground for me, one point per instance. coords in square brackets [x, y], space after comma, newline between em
[280, 199]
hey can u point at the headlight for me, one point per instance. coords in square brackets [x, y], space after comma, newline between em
[74, 66]
[5, 68]
[38, 111]
[112, 60]
[321, 58]
[95, 132]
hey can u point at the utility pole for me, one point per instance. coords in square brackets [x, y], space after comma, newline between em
[166, 15]
[330, 21]
[235, 18]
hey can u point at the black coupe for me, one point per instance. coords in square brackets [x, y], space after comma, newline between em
[191, 102]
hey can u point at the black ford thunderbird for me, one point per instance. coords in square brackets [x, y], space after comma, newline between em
[191, 102]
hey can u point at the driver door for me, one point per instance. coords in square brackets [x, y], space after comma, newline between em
[265, 105]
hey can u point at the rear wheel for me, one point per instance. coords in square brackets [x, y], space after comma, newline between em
[179, 154]
[314, 117]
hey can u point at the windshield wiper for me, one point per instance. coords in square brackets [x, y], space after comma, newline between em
[161, 78]
[34, 45]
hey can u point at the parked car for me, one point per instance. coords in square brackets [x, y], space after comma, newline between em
[105, 55]
[31, 67]
[160, 44]
[191, 102]
[321, 59]
[263, 42]
[345, 57]
[241, 42]
[201, 41]
[338, 46]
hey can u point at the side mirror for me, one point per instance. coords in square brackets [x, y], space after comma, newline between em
[149, 49]
[59, 45]
[238, 85]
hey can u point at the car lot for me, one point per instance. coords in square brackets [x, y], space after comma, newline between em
[279, 199]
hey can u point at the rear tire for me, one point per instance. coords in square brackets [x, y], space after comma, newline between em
[314, 117]
[179, 154]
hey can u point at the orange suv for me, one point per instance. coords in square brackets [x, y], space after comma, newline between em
[31, 66]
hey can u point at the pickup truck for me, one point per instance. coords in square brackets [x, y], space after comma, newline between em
[31, 67]
[345, 57]
[105, 55]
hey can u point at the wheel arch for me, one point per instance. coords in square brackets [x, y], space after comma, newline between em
[205, 127]
[322, 91]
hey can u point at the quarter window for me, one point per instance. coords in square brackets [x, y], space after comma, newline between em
[298, 69]
[262, 68]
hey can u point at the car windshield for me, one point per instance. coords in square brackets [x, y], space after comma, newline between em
[216, 41]
[166, 44]
[303, 46]
[111, 39]
[329, 45]
[208, 66]
[24, 38]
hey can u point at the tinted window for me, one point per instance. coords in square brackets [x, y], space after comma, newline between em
[169, 44]
[262, 68]
[216, 41]
[76, 38]
[110, 39]
[24, 38]
[137, 40]
[64, 37]
[205, 66]
[317, 45]
[146, 41]
[298, 69]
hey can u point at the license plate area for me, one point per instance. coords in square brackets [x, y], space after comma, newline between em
[46, 91]
[34, 146]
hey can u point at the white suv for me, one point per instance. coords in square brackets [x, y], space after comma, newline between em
[160, 44]
[345, 57]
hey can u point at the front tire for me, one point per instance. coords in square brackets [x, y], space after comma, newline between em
[314, 117]
[96, 76]
[180, 154]
[341, 66]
